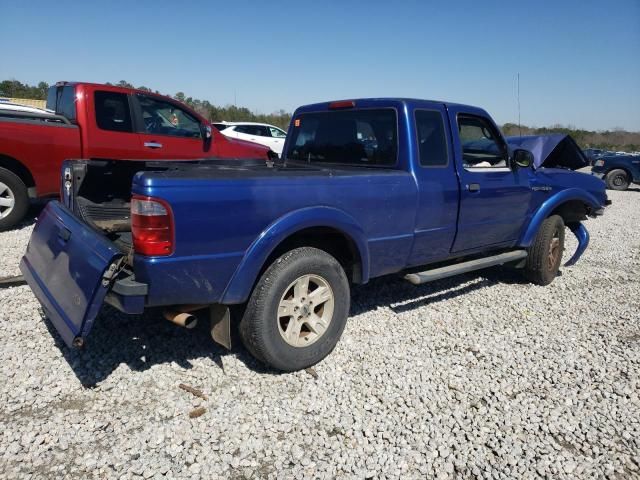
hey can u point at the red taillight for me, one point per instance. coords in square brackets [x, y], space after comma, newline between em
[342, 104]
[151, 226]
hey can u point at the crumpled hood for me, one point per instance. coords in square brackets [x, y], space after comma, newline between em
[554, 151]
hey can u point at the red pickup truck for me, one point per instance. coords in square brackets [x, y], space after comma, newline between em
[96, 121]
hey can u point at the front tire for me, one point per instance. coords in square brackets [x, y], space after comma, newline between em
[14, 199]
[545, 254]
[297, 310]
[617, 179]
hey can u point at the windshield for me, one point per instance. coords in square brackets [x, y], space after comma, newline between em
[353, 137]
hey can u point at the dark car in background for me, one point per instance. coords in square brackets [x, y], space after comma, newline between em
[618, 171]
[593, 153]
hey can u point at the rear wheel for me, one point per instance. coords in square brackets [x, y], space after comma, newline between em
[14, 200]
[617, 179]
[545, 254]
[297, 310]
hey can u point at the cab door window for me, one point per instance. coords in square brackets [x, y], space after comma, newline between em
[482, 146]
[165, 118]
[262, 131]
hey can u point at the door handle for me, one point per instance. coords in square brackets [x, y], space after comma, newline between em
[473, 187]
[64, 234]
[152, 145]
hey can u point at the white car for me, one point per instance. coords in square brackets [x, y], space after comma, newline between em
[262, 133]
[14, 107]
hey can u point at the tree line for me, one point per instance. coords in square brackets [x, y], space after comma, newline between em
[617, 139]
[229, 113]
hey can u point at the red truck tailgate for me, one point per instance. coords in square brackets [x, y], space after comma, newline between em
[65, 266]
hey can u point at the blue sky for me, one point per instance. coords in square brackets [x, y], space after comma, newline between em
[579, 61]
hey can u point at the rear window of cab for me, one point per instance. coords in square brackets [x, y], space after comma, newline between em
[351, 137]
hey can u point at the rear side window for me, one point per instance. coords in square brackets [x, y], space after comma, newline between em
[252, 130]
[354, 137]
[112, 112]
[432, 140]
[220, 126]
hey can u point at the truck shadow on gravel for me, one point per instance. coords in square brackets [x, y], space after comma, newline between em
[32, 214]
[142, 341]
[401, 296]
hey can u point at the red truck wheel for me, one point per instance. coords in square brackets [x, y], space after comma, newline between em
[14, 200]
[297, 311]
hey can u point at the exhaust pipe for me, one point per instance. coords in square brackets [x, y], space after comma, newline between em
[181, 315]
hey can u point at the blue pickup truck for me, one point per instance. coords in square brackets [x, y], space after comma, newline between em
[618, 171]
[364, 188]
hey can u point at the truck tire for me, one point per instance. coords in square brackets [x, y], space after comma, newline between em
[14, 199]
[297, 310]
[617, 179]
[545, 253]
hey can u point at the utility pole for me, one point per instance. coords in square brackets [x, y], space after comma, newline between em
[519, 124]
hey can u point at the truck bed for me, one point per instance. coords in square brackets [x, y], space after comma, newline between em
[102, 189]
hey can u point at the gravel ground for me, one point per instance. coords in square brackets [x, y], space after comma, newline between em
[477, 376]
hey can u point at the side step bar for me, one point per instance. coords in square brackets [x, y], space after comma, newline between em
[464, 267]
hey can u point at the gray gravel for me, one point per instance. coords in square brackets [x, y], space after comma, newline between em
[477, 376]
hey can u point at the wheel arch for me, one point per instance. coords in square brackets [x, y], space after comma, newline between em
[573, 205]
[326, 228]
[17, 167]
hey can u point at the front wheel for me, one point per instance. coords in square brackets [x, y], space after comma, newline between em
[297, 310]
[14, 200]
[617, 179]
[545, 253]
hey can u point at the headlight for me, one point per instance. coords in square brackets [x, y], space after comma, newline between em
[599, 163]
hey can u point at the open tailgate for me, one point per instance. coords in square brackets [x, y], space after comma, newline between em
[68, 266]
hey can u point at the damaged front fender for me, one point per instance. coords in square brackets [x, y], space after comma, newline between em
[581, 233]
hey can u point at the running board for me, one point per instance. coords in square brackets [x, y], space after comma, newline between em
[464, 267]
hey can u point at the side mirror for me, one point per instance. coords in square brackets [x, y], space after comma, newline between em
[206, 131]
[522, 158]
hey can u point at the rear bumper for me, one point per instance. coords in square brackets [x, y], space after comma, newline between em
[127, 294]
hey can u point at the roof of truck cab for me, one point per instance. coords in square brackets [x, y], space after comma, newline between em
[114, 88]
[128, 90]
[385, 101]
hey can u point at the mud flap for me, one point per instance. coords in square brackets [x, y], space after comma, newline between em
[221, 325]
[69, 267]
